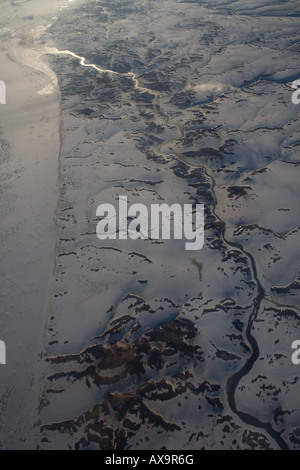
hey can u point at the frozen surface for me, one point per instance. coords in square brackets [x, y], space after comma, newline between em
[29, 155]
[147, 345]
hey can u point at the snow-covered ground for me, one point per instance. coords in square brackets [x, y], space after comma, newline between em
[147, 345]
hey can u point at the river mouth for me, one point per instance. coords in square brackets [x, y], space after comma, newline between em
[147, 345]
